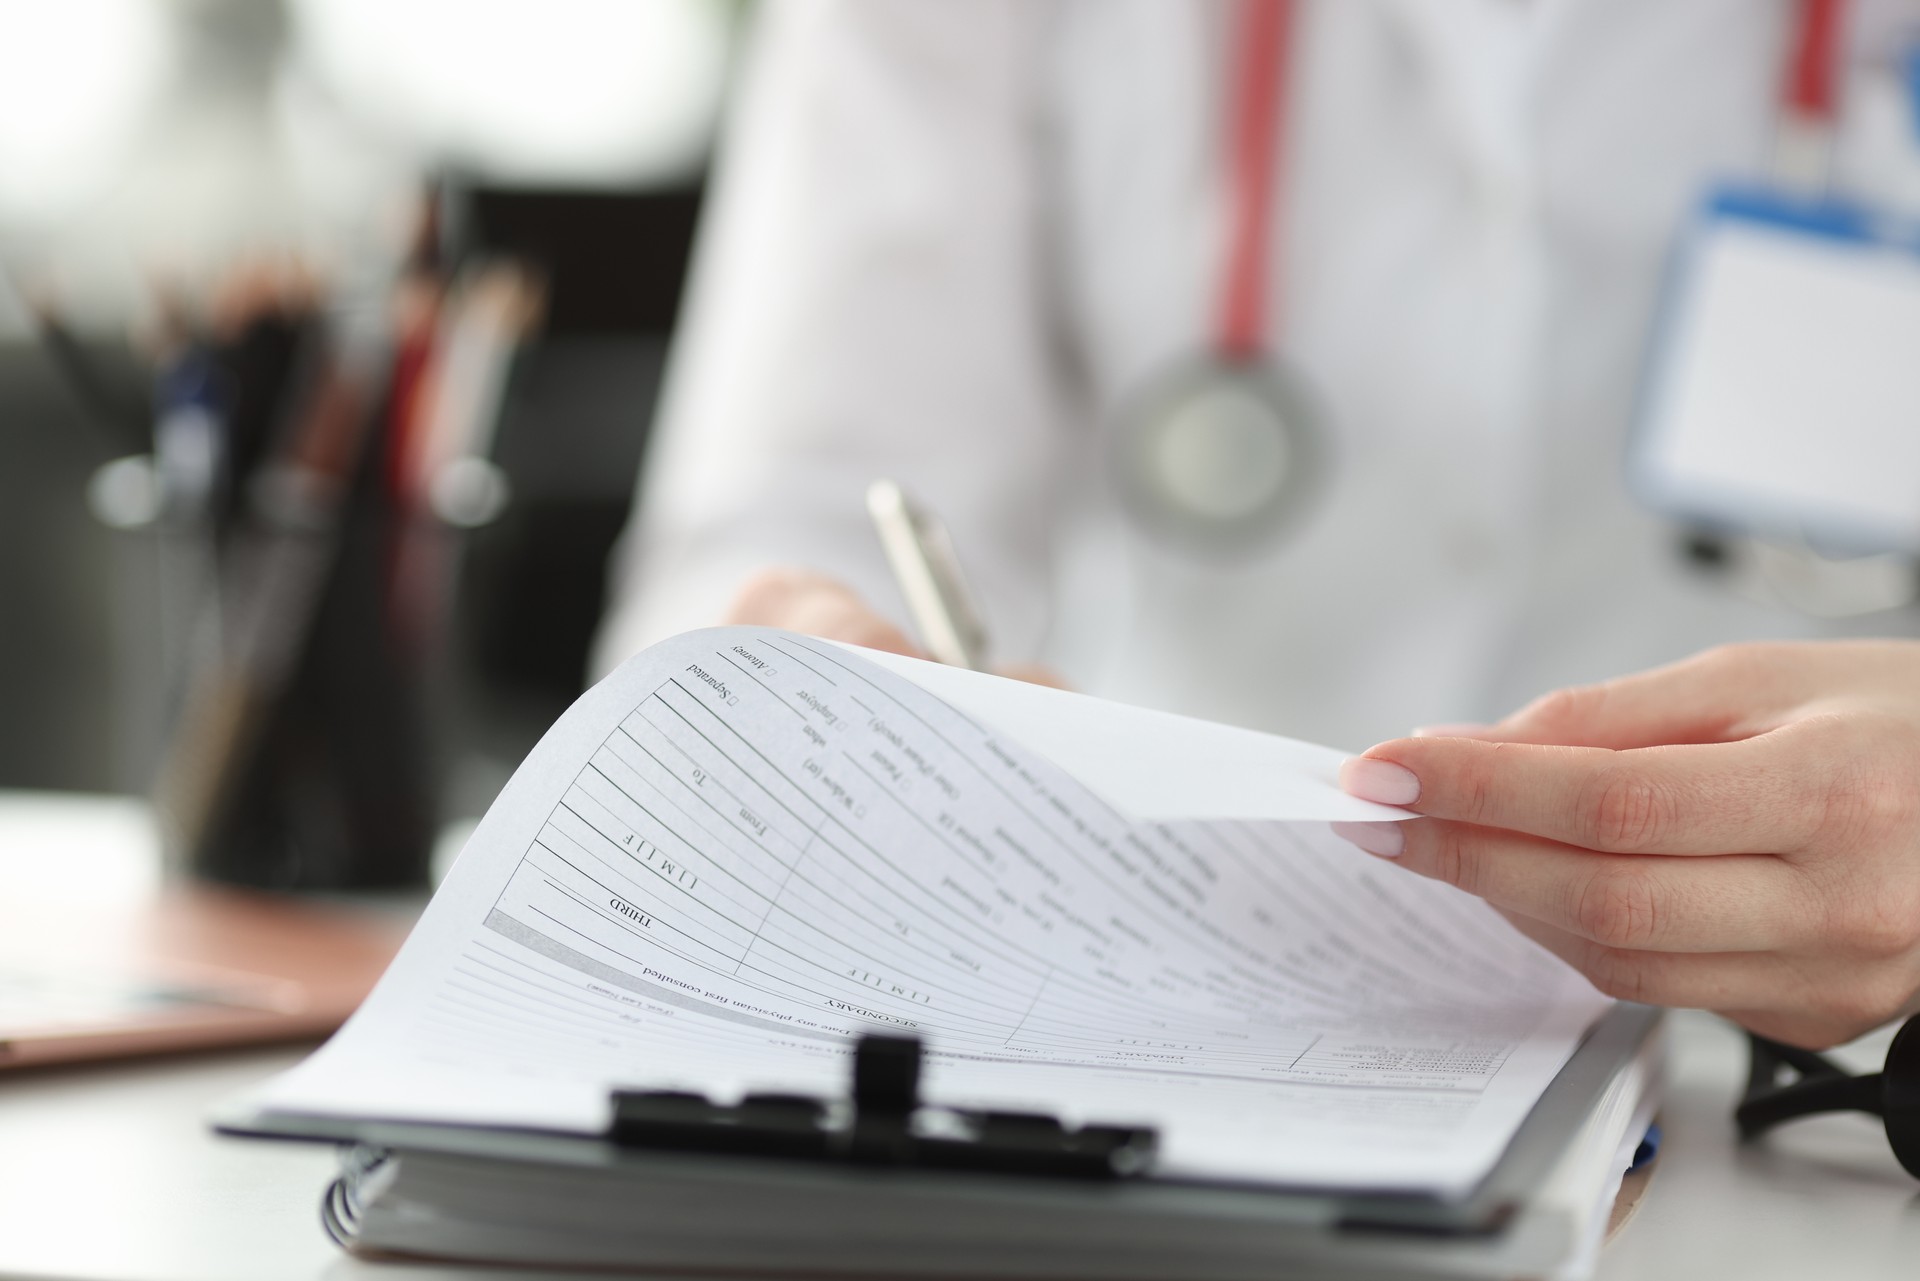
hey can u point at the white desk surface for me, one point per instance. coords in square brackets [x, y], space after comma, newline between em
[108, 1173]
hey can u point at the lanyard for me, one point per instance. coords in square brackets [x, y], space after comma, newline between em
[1807, 93]
[1809, 97]
[1264, 32]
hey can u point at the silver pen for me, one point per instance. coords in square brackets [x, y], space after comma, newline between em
[921, 555]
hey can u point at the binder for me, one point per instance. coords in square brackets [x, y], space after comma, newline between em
[1022, 1205]
[1343, 1063]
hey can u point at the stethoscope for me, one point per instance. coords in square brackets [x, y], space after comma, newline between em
[1225, 449]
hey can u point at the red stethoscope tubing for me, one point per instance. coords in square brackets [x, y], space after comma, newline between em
[1257, 142]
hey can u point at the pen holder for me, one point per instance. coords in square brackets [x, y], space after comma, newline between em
[299, 760]
[338, 791]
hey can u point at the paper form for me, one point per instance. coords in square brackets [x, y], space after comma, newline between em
[1194, 768]
[745, 848]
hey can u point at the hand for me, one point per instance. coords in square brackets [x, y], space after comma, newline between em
[800, 600]
[1738, 832]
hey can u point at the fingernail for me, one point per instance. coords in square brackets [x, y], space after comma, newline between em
[1384, 839]
[1457, 729]
[1381, 781]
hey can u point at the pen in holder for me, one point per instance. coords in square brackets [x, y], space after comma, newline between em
[309, 476]
[298, 758]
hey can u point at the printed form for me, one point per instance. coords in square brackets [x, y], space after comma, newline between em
[745, 848]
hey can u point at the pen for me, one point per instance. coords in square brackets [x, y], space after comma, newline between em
[921, 556]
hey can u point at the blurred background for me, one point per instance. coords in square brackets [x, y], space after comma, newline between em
[331, 333]
[318, 340]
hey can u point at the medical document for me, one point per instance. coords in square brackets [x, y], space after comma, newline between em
[746, 848]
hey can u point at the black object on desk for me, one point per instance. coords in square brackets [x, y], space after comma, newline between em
[883, 1123]
[1820, 1085]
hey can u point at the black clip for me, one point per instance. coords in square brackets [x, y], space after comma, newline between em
[760, 1124]
[886, 1124]
[1818, 1084]
[886, 1094]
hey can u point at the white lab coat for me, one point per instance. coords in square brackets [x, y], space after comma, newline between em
[948, 241]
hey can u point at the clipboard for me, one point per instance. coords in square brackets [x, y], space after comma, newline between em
[1626, 1035]
[186, 968]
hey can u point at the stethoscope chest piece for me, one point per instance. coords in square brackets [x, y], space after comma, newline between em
[1217, 456]
[1220, 455]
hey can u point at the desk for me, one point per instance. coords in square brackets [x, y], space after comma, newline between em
[108, 1173]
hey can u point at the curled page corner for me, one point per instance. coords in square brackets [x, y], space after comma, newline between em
[1150, 764]
[744, 849]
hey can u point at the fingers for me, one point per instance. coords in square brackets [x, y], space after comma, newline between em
[1788, 998]
[1782, 997]
[1735, 903]
[1759, 795]
[800, 600]
[1035, 674]
[1814, 1024]
[1712, 697]
[1714, 981]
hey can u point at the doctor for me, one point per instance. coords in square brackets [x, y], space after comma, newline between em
[1401, 269]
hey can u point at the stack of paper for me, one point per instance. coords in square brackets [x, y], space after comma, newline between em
[746, 848]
